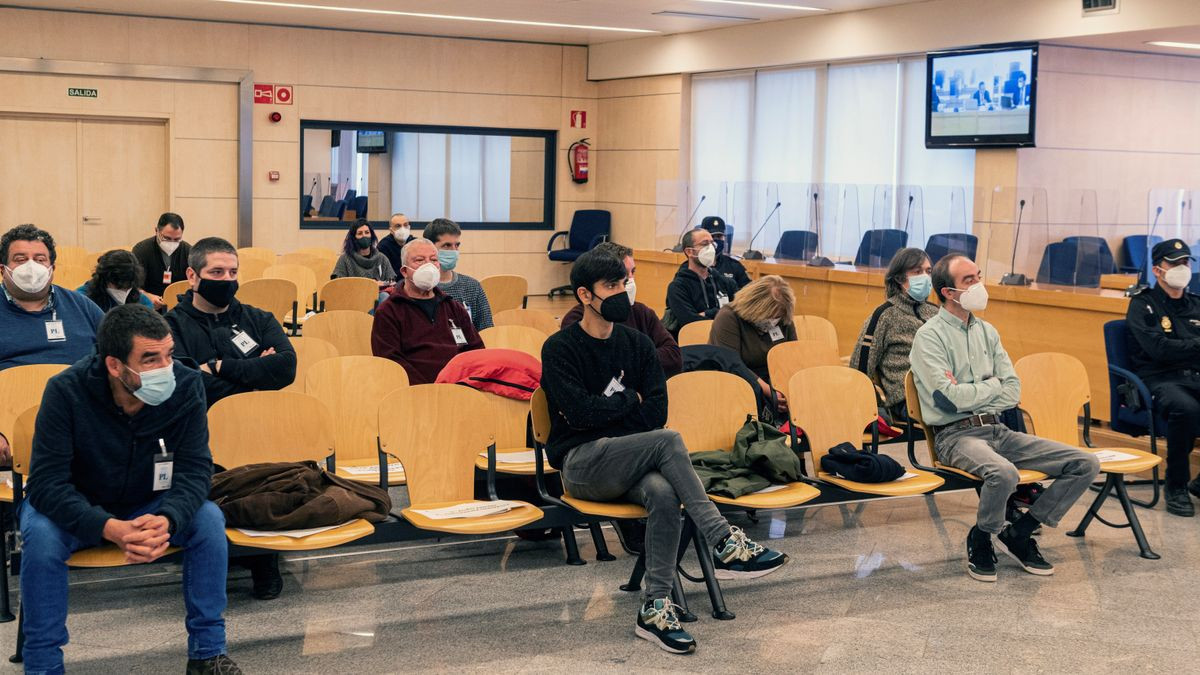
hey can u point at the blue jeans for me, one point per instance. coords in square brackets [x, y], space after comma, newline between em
[46, 548]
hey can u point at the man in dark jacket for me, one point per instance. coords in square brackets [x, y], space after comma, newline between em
[399, 234]
[418, 326]
[698, 291]
[726, 266]
[1165, 323]
[164, 257]
[120, 453]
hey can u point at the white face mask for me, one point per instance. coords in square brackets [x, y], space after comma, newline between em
[426, 276]
[975, 298]
[168, 247]
[401, 234]
[30, 276]
[707, 255]
[631, 289]
[1178, 277]
[120, 295]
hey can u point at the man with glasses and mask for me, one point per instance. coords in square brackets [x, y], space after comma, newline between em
[1165, 323]
[965, 380]
[725, 265]
[698, 291]
[164, 257]
[607, 399]
[120, 454]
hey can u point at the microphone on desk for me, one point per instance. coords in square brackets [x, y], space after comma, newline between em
[818, 260]
[1012, 278]
[752, 254]
[1142, 283]
[314, 185]
[678, 247]
[908, 213]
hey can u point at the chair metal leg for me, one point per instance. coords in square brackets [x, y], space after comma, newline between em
[1134, 523]
[6, 614]
[1157, 488]
[602, 553]
[685, 615]
[570, 545]
[635, 577]
[1094, 509]
[19, 656]
[704, 555]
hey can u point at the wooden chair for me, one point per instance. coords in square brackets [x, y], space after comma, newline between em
[534, 318]
[438, 453]
[76, 256]
[1054, 388]
[266, 255]
[251, 269]
[505, 291]
[172, 292]
[788, 358]
[21, 388]
[812, 327]
[707, 427]
[306, 289]
[520, 338]
[695, 333]
[833, 405]
[321, 261]
[510, 418]
[277, 426]
[350, 386]
[357, 294]
[348, 331]
[277, 296]
[71, 276]
[309, 350]
[295, 258]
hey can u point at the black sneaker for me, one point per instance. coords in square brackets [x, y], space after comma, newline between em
[1179, 503]
[632, 534]
[217, 665]
[658, 623]
[740, 558]
[1025, 551]
[1194, 487]
[1012, 514]
[981, 557]
[264, 572]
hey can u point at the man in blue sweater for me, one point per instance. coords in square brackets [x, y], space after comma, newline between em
[120, 454]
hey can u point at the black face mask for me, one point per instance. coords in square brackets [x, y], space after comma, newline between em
[218, 292]
[615, 308]
[363, 242]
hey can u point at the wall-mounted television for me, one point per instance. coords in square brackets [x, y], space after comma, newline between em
[981, 97]
[368, 141]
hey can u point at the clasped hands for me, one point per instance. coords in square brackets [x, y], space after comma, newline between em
[143, 539]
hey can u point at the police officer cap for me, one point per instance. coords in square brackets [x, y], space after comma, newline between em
[714, 224]
[1171, 250]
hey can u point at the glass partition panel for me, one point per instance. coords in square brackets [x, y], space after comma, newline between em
[1018, 235]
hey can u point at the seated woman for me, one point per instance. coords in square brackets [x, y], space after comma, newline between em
[361, 256]
[115, 281]
[887, 336]
[759, 317]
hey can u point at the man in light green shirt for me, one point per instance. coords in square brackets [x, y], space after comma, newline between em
[964, 381]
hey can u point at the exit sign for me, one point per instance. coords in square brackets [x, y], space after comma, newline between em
[84, 93]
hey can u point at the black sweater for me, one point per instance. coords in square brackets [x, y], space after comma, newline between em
[201, 337]
[577, 369]
[92, 462]
[150, 256]
[691, 298]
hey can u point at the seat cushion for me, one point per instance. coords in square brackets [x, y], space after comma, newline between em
[519, 516]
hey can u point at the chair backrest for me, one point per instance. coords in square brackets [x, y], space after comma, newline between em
[258, 253]
[76, 256]
[326, 208]
[357, 294]
[695, 333]
[172, 292]
[351, 386]
[878, 246]
[505, 291]
[360, 206]
[437, 431]
[788, 358]
[1135, 252]
[832, 404]
[270, 295]
[1121, 417]
[520, 338]
[1054, 387]
[350, 196]
[319, 252]
[704, 426]
[345, 329]
[813, 327]
[1094, 251]
[72, 276]
[295, 258]
[1063, 265]
[339, 209]
[943, 244]
[534, 318]
[269, 426]
[539, 415]
[21, 437]
[21, 388]
[511, 421]
[305, 205]
[586, 226]
[309, 350]
[250, 269]
[796, 245]
[912, 403]
[303, 277]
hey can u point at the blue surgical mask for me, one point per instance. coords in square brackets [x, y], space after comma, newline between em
[157, 385]
[448, 259]
[919, 286]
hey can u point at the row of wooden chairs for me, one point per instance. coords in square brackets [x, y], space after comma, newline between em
[808, 327]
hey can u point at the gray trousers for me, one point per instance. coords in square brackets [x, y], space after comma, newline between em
[994, 453]
[651, 469]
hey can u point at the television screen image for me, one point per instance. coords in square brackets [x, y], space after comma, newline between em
[370, 141]
[981, 97]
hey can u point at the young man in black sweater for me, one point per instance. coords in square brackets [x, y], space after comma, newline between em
[608, 402]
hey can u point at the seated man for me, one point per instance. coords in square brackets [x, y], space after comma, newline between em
[401, 234]
[1165, 323]
[608, 402]
[726, 266]
[641, 318]
[964, 380]
[164, 257]
[446, 237]
[698, 291]
[120, 453]
[419, 326]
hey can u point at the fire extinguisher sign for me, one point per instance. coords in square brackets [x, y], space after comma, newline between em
[578, 119]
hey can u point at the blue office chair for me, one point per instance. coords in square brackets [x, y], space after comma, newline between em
[878, 246]
[339, 209]
[350, 195]
[1130, 406]
[942, 245]
[1135, 254]
[589, 228]
[305, 205]
[360, 206]
[1095, 250]
[1063, 265]
[327, 205]
[797, 245]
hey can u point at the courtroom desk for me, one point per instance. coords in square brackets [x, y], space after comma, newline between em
[655, 270]
[1117, 282]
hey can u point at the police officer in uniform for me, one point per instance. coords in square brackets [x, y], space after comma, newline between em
[725, 265]
[1165, 323]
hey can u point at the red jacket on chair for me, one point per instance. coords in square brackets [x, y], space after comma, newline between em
[404, 333]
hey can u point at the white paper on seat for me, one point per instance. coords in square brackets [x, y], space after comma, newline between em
[514, 457]
[769, 488]
[1113, 456]
[394, 468]
[293, 534]
[907, 475]
[468, 510]
[7, 476]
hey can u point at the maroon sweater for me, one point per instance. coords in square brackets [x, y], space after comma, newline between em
[404, 333]
[645, 321]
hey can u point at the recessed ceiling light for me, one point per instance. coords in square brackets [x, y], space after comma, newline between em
[425, 15]
[1177, 45]
[708, 17]
[769, 5]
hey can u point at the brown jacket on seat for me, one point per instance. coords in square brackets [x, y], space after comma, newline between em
[294, 496]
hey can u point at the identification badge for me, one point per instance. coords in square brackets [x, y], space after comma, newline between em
[776, 334]
[164, 467]
[167, 277]
[55, 332]
[244, 342]
[459, 337]
[722, 300]
[615, 386]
